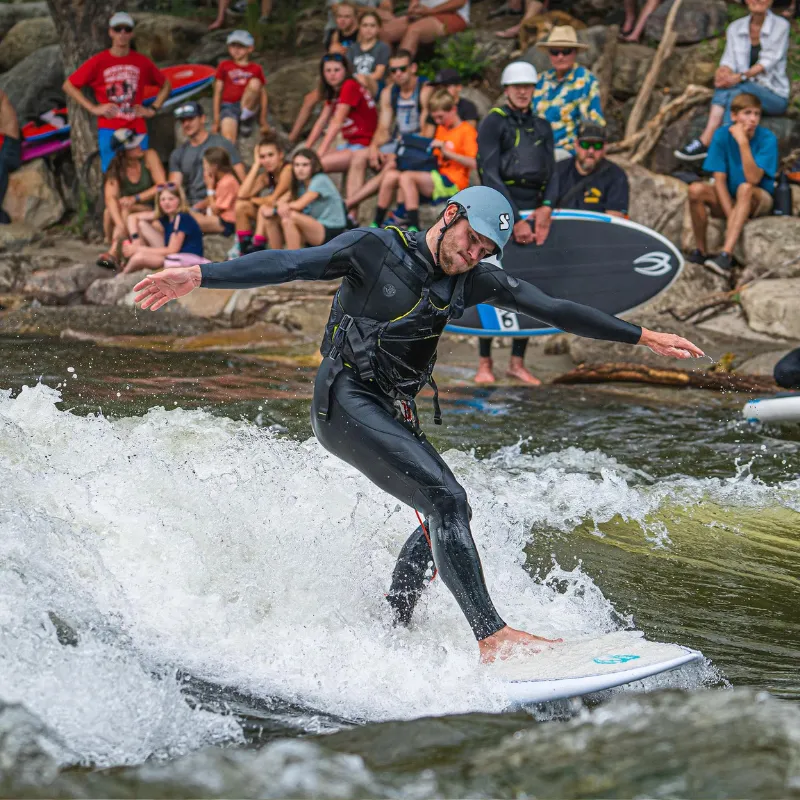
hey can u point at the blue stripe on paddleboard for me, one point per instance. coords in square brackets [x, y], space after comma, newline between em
[453, 328]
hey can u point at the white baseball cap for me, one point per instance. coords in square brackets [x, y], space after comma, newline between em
[121, 18]
[240, 37]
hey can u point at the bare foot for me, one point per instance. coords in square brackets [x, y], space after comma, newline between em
[508, 33]
[217, 23]
[516, 369]
[508, 642]
[484, 373]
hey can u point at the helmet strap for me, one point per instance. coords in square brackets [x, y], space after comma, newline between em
[461, 212]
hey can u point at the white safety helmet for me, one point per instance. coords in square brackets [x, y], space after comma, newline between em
[519, 72]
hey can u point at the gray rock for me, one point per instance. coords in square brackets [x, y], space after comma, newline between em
[762, 364]
[694, 283]
[26, 37]
[771, 307]
[211, 49]
[482, 102]
[166, 38]
[696, 20]
[216, 247]
[772, 244]
[288, 86]
[62, 286]
[12, 13]
[34, 85]
[32, 196]
[112, 291]
[16, 236]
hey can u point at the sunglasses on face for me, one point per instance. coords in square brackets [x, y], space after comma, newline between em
[562, 51]
[398, 69]
[161, 186]
[122, 29]
[591, 145]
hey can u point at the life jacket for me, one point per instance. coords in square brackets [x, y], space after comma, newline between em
[398, 355]
[524, 159]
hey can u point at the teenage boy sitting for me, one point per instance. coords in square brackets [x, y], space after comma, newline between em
[743, 157]
[239, 89]
[456, 145]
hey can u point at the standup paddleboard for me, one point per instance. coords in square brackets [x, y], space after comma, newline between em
[780, 408]
[592, 665]
[606, 262]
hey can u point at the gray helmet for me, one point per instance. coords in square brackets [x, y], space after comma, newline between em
[488, 213]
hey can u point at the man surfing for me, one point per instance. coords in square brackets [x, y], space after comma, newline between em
[398, 292]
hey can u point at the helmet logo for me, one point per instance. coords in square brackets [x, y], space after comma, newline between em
[505, 222]
[654, 265]
[389, 290]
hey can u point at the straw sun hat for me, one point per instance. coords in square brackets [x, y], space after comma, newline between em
[562, 36]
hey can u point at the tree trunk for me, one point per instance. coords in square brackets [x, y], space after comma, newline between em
[83, 31]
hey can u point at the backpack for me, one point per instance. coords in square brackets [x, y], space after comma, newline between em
[414, 154]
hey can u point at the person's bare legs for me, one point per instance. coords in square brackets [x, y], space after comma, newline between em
[208, 224]
[630, 17]
[423, 31]
[388, 187]
[252, 95]
[745, 205]
[649, 7]
[229, 128]
[411, 184]
[701, 197]
[371, 186]
[272, 230]
[150, 235]
[299, 227]
[356, 175]
[142, 259]
[246, 212]
[715, 115]
[394, 29]
[532, 9]
[337, 161]
[222, 7]
[510, 642]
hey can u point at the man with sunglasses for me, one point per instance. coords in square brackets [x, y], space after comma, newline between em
[567, 93]
[397, 293]
[118, 77]
[589, 181]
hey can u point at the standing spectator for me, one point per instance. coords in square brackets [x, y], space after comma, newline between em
[754, 61]
[313, 214]
[118, 77]
[743, 158]
[633, 28]
[239, 90]
[268, 179]
[130, 186]
[516, 157]
[349, 108]
[10, 148]
[567, 93]
[240, 7]
[368, 54]
[589, 181]
[450, 79]
[426, 22]
[456, 146]
[217, 213]
[403, 107]
[186, 161]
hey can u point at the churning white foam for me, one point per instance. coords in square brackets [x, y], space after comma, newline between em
[183, 540]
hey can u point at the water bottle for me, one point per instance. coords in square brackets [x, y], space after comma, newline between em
[783, 197]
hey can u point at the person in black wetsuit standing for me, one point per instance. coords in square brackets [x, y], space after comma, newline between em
[397, 294]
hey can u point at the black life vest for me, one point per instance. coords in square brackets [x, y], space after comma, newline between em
[525, 160]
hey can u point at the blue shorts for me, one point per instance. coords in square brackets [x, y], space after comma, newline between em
[347, 146]
[230, 111]
[104, 137]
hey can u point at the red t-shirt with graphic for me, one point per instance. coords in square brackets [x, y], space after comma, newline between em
[362, 120]
[234, 79]
[120, 80]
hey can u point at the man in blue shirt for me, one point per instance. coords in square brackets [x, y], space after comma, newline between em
[743, 158]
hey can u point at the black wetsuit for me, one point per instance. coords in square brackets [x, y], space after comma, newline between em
[380, 345]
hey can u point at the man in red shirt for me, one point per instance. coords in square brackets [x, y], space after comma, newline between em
[118, 77]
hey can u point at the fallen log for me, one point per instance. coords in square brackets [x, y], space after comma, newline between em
[625, 372]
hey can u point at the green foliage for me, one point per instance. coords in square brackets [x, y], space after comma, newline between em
[460, 52]
[736, 11]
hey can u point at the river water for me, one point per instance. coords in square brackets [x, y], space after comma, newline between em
[191, 590]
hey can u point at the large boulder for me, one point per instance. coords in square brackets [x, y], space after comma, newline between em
[166, 38]
[34, 85]
[114, 290]
[211, 49]
[26, 37]
[772, 307]
[32, 196]
[63, 286]
[482, 102]
[289, 85]
[772, 245]
[16, 236]
[696, 20]
[694, 283]
[12, 13]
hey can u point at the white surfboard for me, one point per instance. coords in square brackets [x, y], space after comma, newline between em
[581, 667]
[781, 408]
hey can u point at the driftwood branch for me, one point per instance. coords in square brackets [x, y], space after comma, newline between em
[604, 66]
[639, 373]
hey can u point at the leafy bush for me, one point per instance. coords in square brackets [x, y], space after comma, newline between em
[460, 52]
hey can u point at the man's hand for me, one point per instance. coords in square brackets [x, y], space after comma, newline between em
[374, 156]
[724, 78]
[543, 216]
[107, 110]
[144, 111]
[739, 134]
[127, 202]
[158, 289]
[669, 344]
[522, 232]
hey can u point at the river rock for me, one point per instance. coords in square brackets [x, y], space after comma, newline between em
[32, 196]
[772, 244]
[16, 235]
[63, 286]
[762, 364]
[34, 85]
[166, 38]
[696, 20]
[12, 13]
[289, 85]
[694, 283]
[116, 290]
[26, 37]
[772, 307]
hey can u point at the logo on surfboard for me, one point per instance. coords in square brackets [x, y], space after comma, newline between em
[621, 658]
[654, 264]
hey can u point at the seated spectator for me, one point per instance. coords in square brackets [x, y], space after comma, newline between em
[269, 178]
[633, 27]
[450, 80]
[368, 55]
[456, 145]
[425, 22]
[754, 61]
[403, 106]
[589, 181]
[787, 370]
[743, 158]
[10, 148]
[186, 161]
[337, 40]
[239, 90]
[130, 186]
[567, 93]
[240, 7]
[311, 214]
[118, 77]
[349, 108]
[166, 237]
[217, 213]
